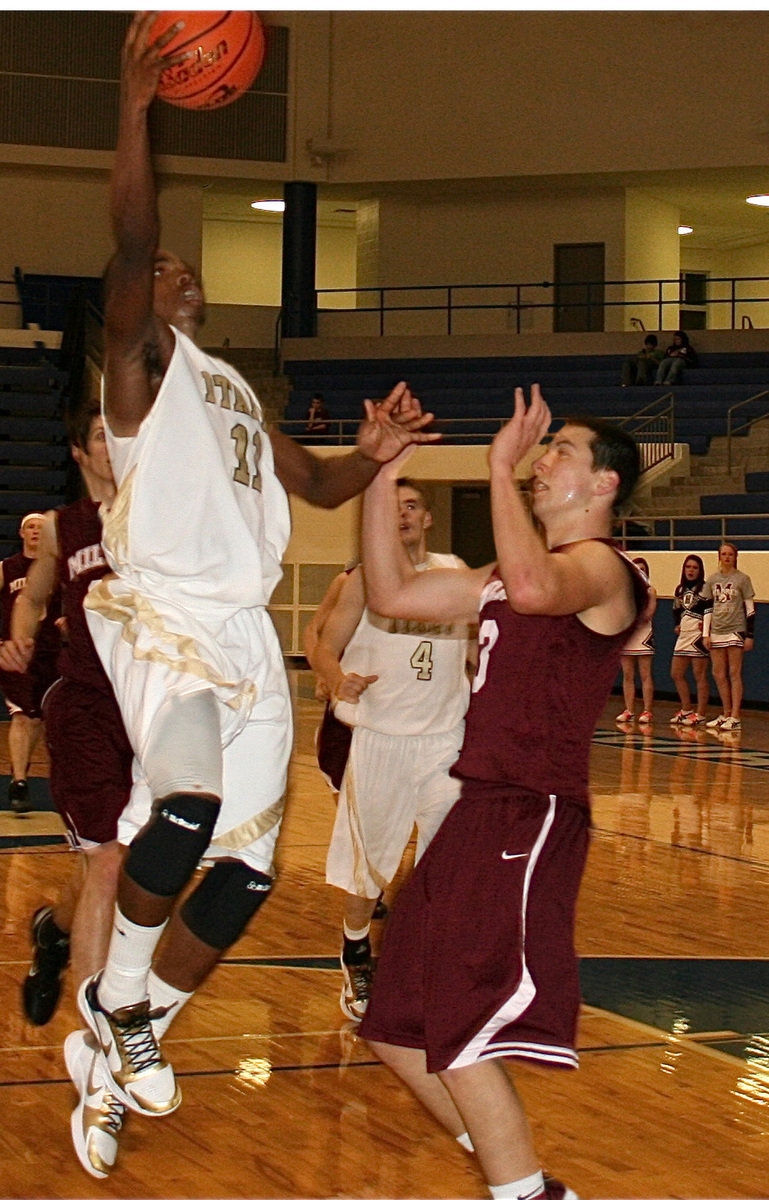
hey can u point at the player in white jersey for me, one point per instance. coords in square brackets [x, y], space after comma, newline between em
[195, 537]
[402, 686]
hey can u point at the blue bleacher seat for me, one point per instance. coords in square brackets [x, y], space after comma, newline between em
[34, 455]
[747, 502]
[477, 387]
[46, 299]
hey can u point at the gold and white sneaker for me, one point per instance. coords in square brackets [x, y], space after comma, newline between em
[135, 1068]
[356, 989]
[97, 1119]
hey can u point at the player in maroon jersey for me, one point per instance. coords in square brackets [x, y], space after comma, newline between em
[478, 960]
[24, 694]
[90, 773]
[90, 757]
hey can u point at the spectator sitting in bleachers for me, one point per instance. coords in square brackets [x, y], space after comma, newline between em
[677, 355]
[641, 367]
[317, 415]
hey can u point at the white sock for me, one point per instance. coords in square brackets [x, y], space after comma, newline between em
[521, 1189]
[464, 1140]
[357, 935]
[131, 947]
[165, 995]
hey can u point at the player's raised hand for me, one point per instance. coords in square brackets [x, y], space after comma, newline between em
[393, 423]
[526, 429]
[143, 61]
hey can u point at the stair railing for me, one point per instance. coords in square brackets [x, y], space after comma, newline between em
[732, 429]
[653, 428]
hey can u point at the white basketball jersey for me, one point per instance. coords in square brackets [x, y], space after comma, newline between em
[422, 685]
[199, 515]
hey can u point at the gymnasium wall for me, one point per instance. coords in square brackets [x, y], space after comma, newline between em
[478, 95]
[492, 238]
[472, 140]
[56, 222]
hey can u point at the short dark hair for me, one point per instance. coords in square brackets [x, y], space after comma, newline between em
[650, 339]
[614, 449]
[406, 481]
[79, 424]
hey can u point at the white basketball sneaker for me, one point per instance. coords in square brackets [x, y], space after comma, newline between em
[135, 1068]
[97, 1119]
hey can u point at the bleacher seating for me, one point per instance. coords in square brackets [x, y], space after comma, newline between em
[46, 300]
[34, 456]
[481, 388]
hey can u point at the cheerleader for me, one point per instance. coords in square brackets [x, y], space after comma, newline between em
[640, 649]
[688, 611]
[728, 633]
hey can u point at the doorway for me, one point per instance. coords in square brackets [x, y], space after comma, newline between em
[579, 274]
[472, 537]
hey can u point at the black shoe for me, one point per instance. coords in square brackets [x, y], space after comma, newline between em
[19, 800]
[380, 911]
[41, 988]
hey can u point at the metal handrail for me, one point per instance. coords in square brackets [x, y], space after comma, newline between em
[16, 301]
[730, 428]
[595, 297]
[659, 444]
[628, 529]
[342, 431]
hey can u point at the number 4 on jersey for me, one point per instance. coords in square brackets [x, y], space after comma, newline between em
[422, 660]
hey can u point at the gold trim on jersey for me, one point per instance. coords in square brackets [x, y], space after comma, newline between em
[136, 615]
[253, 829]
[363, 868]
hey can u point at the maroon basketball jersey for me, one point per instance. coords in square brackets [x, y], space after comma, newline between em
[81, 561]
[14, 578]
[540, 687]
[15, 571]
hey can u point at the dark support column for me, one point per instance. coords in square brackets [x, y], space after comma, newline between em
[298, 291]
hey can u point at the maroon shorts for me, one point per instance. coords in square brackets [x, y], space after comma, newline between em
[332, 745]
[90, 759]
[24, 691]
[478, 956]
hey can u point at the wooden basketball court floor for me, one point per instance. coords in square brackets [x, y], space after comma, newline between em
[281, 1099]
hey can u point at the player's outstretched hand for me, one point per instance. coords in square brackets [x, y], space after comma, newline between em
[525, 429]
[392, 424]
[143, 61]
[16, 654]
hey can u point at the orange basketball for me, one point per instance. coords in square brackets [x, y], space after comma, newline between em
[227, 55]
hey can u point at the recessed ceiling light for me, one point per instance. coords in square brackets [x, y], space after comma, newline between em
[276, 206]
[682, 229]
[762, 201]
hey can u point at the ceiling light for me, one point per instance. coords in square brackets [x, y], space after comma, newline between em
[275, 206]
[682, 229]
[762, 201]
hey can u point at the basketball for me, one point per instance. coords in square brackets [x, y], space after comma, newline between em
[227, 55]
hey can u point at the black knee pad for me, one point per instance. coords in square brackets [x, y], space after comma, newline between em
[163, 856]
[224, 902]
